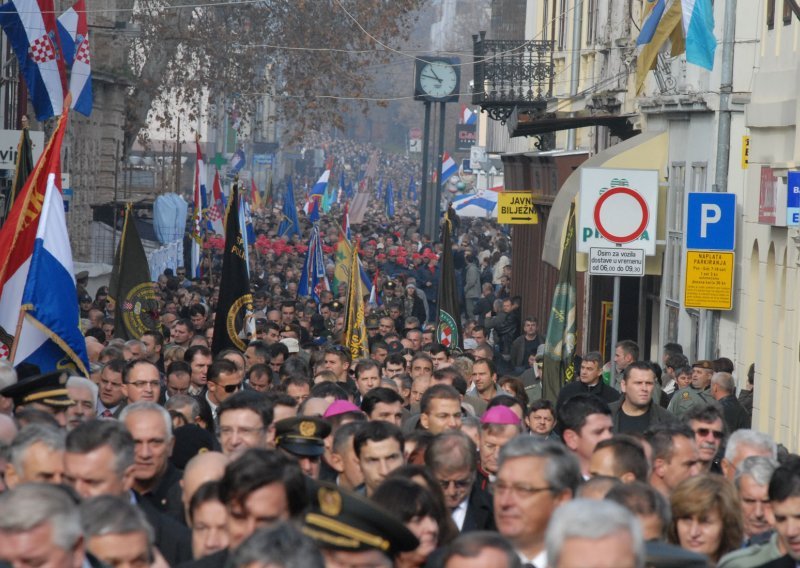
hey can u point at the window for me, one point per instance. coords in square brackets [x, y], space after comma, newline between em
[562, 24]
[770, 14]
[591, 18]
[787, 13]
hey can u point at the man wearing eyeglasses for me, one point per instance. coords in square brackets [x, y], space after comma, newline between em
[534, 478]
[452, 458]
[709, 435]
[142, 381]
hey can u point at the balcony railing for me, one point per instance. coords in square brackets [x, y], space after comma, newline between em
[511, 74]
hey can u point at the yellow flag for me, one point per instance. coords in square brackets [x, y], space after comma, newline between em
[355, 328]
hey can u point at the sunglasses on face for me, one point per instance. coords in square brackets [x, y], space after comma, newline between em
[703, 432]
[232, 388]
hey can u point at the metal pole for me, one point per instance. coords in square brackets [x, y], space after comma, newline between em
[437, 204]
[116, 185]
[575, 63]
[710, 318]
[423, 191]
[614, 328]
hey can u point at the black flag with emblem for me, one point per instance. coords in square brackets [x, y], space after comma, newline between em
[131, 288]
[233, 323]
[448, 323]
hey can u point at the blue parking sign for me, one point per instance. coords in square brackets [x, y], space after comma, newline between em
[711, 221]
[793, 199]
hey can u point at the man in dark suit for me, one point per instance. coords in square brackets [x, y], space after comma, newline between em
[452, 458]
[99, 460]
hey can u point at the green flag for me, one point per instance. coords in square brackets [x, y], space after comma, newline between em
[233, 323]
[448, 321]
[559, 350]
[133, 292]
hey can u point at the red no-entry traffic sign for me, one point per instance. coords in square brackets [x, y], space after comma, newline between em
[617, 211]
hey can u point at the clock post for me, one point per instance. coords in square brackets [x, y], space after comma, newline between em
[436, 79]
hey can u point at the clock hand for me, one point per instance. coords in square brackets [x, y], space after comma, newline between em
[431, 77]
[434, 74]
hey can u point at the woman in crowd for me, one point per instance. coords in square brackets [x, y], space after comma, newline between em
[706, 516]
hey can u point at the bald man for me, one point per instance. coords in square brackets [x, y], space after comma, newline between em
[208, 466]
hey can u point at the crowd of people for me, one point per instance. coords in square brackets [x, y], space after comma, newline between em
[292, 454]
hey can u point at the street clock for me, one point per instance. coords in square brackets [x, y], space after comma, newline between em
[437, 79]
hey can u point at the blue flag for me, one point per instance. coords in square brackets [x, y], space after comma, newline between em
[412, 189]
[313, 279]
[289, 225]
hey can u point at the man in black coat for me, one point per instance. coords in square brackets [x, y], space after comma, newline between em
[99, 460]
[723, 389]
[590, 381]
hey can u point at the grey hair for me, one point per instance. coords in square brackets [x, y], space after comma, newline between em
[563, 471]
[147, 406]
[32, 504]
[8, 375]
[451, 450]
[592, 519]
[109, 514]
[90, 436]
[83, 382]
[751, 438]
[31, 434]
[135, 343]
[180, 400]
[471, 422]
[760, 468]
[724, 381]
[279, 545]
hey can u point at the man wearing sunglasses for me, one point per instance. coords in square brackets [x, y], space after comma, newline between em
[709, 434]
[223, 381]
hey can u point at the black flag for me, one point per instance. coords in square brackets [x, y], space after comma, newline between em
[136, 307]
[448, 322]
[233, 323]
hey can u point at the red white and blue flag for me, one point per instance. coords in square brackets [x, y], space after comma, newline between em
[216, 209]
[31, 29]
[468, 116]
[449, 167]
[199, 212]
[73, 31]
[312, 205]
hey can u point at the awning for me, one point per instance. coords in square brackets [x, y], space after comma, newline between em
[648, 151]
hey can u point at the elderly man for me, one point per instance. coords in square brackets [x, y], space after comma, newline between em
[40, 526]
[499, 425]
[36, 455]
[202, 468]
[745, 443]
[705, 420]
[100, 460]
[723, 389]
[452, 458]
[142, 381]
[83, 393]
[752, 481]
[116, 532]
[245, 421]
[594, 534]
[534, 479]
[154, 477]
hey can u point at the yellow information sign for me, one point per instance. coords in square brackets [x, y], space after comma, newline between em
[516, 208]
[745, 152]
[709, 280]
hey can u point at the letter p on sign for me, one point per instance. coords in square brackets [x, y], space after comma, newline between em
[710, 213]
[711, 221]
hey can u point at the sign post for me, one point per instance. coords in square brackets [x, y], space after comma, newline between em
[617, 225]
[710, 241]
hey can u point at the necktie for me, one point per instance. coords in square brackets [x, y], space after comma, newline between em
[106, 413]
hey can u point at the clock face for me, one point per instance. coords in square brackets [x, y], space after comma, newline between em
[438, 79]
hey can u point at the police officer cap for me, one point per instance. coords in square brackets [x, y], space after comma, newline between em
[372, 322]
[390, 285]
[342, 520]
[302, 435]
[49, 389]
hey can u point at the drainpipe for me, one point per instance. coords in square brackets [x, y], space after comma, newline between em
[723, 151]
[575, 63]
